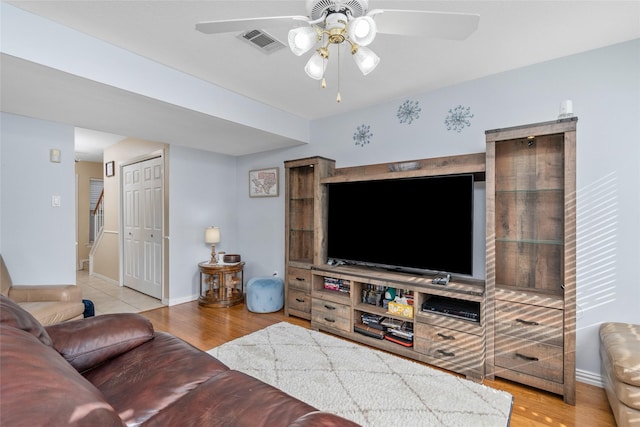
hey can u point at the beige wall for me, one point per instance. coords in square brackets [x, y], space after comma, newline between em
[106, 258]
[85, 171]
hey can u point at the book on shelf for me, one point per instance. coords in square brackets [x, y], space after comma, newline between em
[368, 330]
[399, 340]
[334, 284]
[391, 323]
[373, 320]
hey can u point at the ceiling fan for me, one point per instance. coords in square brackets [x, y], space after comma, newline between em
[331, 22]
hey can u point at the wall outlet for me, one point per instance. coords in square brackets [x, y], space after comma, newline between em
[275, 273]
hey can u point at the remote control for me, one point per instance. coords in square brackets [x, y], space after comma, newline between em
[441, 280]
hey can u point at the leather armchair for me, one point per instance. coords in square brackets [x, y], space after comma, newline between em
[49, 304]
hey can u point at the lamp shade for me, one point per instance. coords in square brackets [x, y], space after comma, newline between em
[302, 39]
[212, 235]
[315, 66]
[366, 59]
[362, 30]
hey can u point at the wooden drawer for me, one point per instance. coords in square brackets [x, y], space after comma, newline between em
[449, 336]
[447, 344]
[299, 278]
[529, 357]
[440, 320]
[530, 322]
[299, 300]
[331, 314]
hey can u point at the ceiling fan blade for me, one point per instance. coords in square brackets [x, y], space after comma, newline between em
[442, 25]
[231, 25]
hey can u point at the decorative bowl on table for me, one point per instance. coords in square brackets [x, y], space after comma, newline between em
[231, 258]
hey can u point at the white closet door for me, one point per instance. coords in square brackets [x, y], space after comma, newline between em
[142, 220]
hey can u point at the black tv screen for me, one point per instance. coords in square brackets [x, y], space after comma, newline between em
[422, 225]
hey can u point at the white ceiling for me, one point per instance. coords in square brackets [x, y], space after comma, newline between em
[511, 34]
[89, 144]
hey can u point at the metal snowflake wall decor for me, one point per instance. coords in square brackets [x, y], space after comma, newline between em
[458, 118]
[408, 111]
[362, 135]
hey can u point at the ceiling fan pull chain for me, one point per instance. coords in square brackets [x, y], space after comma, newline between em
[323, 85]
[338, 99]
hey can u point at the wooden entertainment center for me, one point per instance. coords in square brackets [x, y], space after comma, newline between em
[522, 321]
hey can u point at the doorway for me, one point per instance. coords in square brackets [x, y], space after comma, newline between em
[142, 218]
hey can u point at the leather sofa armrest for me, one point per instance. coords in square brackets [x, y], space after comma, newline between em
[89, 342]
[322, 419]
[64, 293]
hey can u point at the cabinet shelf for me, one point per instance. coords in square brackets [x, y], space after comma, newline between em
[531, 241]
[384, 345]
[298, 262]
[368, 308]
[332, 295]
[555, 292]
[531, 190]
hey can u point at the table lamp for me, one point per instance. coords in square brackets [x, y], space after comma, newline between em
[212, 236]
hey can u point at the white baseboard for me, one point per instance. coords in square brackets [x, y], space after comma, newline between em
[589, 378]
[81, 263]
[176, 301]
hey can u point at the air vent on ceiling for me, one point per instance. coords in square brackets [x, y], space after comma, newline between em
[261, 40]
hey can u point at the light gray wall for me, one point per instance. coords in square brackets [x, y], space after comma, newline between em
[38, 240]
[604, 85]
[203, 192]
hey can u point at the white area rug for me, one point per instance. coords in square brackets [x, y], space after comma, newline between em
[368, 386]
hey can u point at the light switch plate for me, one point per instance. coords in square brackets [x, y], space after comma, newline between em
[55, 201]
[54, 155]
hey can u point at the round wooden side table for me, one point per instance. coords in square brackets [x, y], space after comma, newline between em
[221, 285]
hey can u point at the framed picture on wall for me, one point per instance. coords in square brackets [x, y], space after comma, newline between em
[263, 182]
[108, 168]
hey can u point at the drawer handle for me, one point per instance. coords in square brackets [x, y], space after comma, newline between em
[328, 307]
[528, 322]
[446, 353]
[300, 279]
[299, 300]
[329, 320]
[529, 358]
[446, 337]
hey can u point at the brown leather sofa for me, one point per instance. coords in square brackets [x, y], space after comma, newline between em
[49, 304]
[620, 366]
[115, 370]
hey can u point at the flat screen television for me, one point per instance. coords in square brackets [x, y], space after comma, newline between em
[418, 225]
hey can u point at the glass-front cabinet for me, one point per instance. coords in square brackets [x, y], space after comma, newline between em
[530, 267]
[305, 216]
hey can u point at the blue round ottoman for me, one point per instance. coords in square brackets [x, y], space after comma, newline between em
[265, 294]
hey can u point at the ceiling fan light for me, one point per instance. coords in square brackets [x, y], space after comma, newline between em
[302, 39]
[362, 30]
[366, 59]
[315, 66]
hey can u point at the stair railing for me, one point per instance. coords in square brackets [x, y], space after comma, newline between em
[98, 217]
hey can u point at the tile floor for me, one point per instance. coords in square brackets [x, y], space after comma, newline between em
[110, 298]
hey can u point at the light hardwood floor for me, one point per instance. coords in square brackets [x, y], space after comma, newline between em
[206, 328]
